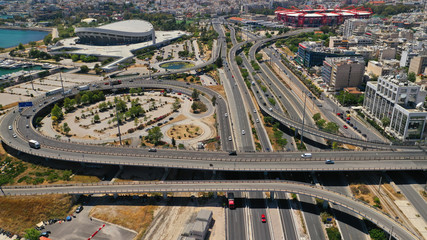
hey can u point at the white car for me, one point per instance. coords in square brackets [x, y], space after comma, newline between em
[229, 138]
[254, 110]
[243, 132]
[257, 120]
[226, 114]
[10, 127]
[14, 135]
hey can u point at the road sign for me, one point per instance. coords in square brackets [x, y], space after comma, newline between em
[25, 104]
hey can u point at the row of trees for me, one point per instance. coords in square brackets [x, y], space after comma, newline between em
[330, 127]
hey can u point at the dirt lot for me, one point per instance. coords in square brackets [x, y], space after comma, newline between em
[137, 218]
[170, 221]
[184, 132]
[20, 213]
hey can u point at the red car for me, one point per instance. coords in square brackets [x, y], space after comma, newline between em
[263, 218]
[338, 114]
[345, 126]
[348, 118]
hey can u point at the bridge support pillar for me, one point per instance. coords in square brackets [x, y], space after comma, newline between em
[19, 153]
[165, 195]
[325, 204]
[121, 167]
[271, 195]
[47, 159]
[214, 172]
[215, 195]
[265, 173]
[115, 195]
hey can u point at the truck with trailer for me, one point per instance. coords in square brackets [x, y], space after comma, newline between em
[231, 200]
[83, 87]
[34, 144]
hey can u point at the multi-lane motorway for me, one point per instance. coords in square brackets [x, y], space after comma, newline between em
[366, 211]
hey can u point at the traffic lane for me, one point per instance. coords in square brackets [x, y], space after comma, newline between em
[237, 221]
[262, 133]
[312, 218]
[260, 230]
[288, 223]
[404, 182]
[372, 214]
[242, 111]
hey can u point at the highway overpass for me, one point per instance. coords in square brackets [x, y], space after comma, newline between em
[359, 207]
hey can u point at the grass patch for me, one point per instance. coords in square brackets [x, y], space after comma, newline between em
[21, 212]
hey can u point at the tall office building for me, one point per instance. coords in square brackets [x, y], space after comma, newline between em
[401, 102]
[342, 72]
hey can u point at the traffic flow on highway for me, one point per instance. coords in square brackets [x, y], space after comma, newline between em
[245, 147]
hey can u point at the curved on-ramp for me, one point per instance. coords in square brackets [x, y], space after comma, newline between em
[379, 218]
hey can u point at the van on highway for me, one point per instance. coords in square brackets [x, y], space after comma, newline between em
[306, 155]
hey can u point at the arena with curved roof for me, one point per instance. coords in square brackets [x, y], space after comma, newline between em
[118, 33]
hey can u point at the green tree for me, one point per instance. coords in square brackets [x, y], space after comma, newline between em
[96, 118]
[176, 105]
[32, 234]
[317, 117]
[321, 123]
[377, 234]
[331, 127]
[85, 99]
[155, 135]
[272, 101]
[213, 100]
[66, 128]
[258, 56]
[57, 112]
[385, 121]
[75, 57]
[21, 46]
[412, 77]
[239, 60]
[269, 120]
[195, 94]
[84, 69]
[47, 39]
[32, 43]
[69, 104]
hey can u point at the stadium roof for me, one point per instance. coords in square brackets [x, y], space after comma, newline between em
[134, 26]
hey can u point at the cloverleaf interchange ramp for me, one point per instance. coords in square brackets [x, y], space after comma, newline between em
[382, 220]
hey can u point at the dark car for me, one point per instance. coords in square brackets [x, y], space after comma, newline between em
[232, 153]
[45, 234]
[79, 209]
[329, 161]
[152, 150]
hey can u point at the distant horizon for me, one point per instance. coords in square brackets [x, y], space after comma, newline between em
[12, 37]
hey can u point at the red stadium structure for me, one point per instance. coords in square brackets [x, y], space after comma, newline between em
[309, 17]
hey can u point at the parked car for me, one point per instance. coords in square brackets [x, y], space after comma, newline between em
[79, 209]
[345, 126]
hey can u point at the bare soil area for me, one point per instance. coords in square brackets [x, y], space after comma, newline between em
[184, 132]
[137, 218]
[170, 221]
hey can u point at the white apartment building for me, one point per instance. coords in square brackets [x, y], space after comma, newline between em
[401, 102]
